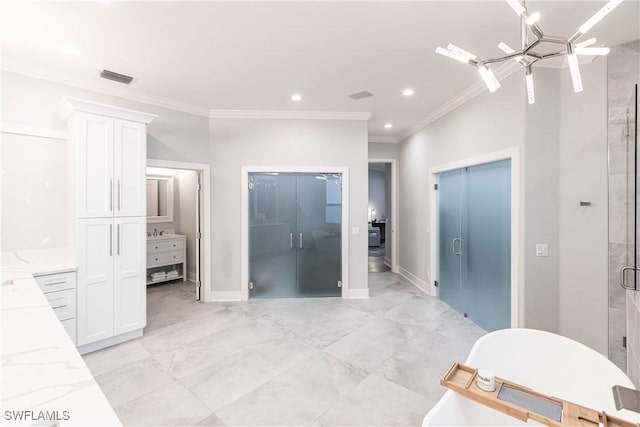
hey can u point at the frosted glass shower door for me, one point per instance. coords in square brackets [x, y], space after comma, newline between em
[295, 241]
[272, 226]
[319, 252]
[474, 242]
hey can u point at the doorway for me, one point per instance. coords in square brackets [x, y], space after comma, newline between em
[382, 216]
[178, 227]
[295, 235]
[474, 242]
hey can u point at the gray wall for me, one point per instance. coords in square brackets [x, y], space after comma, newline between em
[383, 150]
[252, 142]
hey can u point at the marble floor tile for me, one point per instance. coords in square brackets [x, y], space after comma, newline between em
[289, 362]
[378, 402]
[297, 396]
[228, 380]
[173, 405]
[110, 358]
[419, 310]
[133, 380]
[372, 345]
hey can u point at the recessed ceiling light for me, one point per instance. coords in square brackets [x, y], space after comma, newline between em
[388, 126]
[69, 50]
[296, 97]
[408, 92]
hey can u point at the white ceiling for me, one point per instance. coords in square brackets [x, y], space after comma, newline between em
[254, 55]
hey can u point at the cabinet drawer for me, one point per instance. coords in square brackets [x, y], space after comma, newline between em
[166, 245]
[69, 325]
[164, 258]
[56, 282]
[63, 303]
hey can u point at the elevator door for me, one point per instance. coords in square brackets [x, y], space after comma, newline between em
[474, 242]
[295, 223]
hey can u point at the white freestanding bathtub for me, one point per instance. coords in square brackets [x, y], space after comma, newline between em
[546, 362]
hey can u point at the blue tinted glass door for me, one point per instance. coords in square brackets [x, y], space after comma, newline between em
[486, 244]
[449, 238]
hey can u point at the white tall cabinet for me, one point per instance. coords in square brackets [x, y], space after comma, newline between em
[107, 212]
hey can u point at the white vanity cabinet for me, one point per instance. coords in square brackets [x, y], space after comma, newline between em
[60, 291]
[111, 162]
[167, 252]
[107, 219]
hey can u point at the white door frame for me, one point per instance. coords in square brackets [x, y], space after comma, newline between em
[517, 242]
[205, 223]
[395, 235]
[244, 218]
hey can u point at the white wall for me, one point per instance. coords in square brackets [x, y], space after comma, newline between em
[377, 193]
[380, 150]
[582, 231]
[254, 142]
[36, 167]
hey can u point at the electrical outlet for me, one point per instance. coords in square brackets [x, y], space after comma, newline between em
[542, 249]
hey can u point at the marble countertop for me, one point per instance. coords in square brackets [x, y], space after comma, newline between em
[45, 381]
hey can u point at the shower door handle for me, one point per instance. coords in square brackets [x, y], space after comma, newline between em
[300, 240]
[623, 282]
[290, 240]
[459, 240]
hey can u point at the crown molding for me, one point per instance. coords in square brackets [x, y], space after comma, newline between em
[463, 97]
[70, 105]
[383, 139]
[289, 115]
[28, 69]
[32, 131]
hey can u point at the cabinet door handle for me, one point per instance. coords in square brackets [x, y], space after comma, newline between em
[290, 240]
[59, 306]
[300, 240]
[59, 282]
[110, 239]
[119, 196]
[118, 247]
[110, 195]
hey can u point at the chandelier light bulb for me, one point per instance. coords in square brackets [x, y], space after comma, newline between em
[574, 68]
[489, 78]
[531, 95]
[533, 18]
[456, 49]
[606, 9]
[453, 55]
[596, 51]
[517, 7]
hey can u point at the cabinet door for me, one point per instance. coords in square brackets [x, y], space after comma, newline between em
[95, 185]
[95, 280]
[130, 168]
[130, 272]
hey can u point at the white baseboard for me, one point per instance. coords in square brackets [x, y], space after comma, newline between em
[108, 342]
[415, 280]
[387, 262]
[358, 293]
[225, 296]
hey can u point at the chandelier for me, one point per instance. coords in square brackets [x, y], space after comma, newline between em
[527, 56]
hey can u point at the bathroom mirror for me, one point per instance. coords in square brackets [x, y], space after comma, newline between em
[159, 198]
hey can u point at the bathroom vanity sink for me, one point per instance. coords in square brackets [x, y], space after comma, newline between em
[165, 236]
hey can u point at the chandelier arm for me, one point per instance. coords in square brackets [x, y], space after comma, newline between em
[535, 29]
[527, 49]
[575, 37]
[554, 54]
[556, 40]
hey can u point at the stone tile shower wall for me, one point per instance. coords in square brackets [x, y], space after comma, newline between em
[624, 306]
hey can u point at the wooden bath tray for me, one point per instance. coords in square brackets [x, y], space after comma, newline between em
[462, 379]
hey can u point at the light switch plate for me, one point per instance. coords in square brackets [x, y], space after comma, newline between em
[355, 231]
[542, 249]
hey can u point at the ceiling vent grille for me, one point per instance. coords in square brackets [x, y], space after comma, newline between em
[360, 95]
[116, 77]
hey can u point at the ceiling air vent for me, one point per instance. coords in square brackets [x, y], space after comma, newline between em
[360, 95]
[116, 77]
